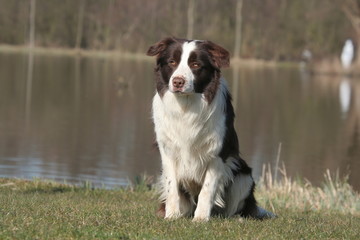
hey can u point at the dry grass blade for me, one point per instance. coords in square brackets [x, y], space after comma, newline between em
[335, 193]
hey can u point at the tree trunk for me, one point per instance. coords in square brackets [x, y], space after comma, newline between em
[32, 24]
[357, 51]
[239, 4]
[190, 17]
[108, 28]
[79, 30]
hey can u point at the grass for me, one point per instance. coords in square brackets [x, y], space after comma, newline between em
[116, 54]
[47, 210]
[73, 52]
[335, 194]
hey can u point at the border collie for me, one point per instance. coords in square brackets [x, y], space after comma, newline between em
[202, 171]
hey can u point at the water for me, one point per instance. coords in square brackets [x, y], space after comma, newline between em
[89, 119]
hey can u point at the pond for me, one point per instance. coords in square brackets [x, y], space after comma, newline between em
[83, 119]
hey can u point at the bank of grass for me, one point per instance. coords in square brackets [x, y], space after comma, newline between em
[48, 51]
[46, 210]
[334, 194]
[116, 54]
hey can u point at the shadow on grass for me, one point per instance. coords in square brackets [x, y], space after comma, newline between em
[49, 190]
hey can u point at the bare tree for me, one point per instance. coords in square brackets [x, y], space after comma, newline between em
[190, 17]
[239, 4]
[108, 24]
[80, 24]
[32, 24]
[351, 9]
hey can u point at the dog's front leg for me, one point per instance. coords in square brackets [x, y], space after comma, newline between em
[176, 203]
[209, 190]
[172, 202]
[170, 194]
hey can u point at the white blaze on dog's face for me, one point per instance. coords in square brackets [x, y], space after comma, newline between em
[188, 66]
[182, 79]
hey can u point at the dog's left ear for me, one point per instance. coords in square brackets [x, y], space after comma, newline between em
[220, 55]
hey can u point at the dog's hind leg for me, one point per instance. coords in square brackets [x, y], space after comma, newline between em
[241, 199]
[238, 192]
[186, 207]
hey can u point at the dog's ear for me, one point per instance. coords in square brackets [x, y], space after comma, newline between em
[159, 46]
[220, 56]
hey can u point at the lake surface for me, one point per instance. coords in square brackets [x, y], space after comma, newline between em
[89, 119]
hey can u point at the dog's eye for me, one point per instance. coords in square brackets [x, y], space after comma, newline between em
[172, 62]
[195, 65]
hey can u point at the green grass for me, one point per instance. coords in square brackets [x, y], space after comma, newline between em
[46, 210]
[107, 54]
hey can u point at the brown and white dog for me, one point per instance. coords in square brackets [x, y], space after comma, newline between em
[202, 172]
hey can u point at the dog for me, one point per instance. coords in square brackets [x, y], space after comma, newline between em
[202, 172]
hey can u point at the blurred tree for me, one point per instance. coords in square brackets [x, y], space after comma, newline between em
[79, 30]
[32, 24]
[269, 29]
[190, 18]
[239, 4]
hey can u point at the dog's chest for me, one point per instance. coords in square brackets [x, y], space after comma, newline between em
[189, 131]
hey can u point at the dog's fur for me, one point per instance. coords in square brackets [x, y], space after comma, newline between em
[202, 172]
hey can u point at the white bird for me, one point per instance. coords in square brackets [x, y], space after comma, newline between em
[347, 54]
[306, 55]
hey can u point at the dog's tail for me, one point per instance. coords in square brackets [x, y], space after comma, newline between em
[261, 213]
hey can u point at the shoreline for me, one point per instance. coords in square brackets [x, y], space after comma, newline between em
[116, 54]
[22, 49]
[326, 66]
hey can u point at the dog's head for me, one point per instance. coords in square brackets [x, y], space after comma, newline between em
[187, 66]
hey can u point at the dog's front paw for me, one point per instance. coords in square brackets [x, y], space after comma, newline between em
[172, 211]
[201, 219]
[172, 215]
[201, 216]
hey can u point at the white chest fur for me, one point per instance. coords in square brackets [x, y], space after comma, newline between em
[189, 131]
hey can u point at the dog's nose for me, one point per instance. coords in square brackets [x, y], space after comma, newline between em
[178, 82]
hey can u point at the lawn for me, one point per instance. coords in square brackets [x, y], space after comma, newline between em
[46, 210]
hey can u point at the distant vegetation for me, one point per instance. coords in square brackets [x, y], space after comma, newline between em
[270, 29]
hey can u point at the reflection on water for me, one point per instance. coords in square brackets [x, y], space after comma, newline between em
[83, 124]
[345, 95]
[90, 119]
